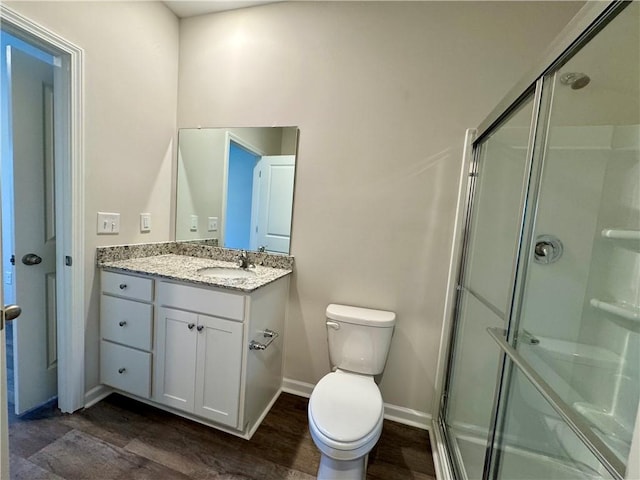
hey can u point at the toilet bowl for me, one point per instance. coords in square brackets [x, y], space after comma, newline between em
[346, 409]
[345, 420]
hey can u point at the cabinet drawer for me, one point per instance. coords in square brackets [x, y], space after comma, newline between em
[125, 369]
[127, 286]
[125, 321]
[202, 300]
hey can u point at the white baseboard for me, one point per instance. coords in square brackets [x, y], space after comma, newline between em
[96, 394]
[405, 416]
[295, 387]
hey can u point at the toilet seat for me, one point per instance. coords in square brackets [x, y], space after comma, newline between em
[346, 410]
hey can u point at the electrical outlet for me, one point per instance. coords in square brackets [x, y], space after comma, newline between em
[194, 223]
[212, 225]
[108, 223]
[145, 222]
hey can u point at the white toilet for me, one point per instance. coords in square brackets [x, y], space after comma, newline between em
[345, 408]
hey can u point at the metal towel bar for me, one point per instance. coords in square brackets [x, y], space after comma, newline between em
[573, 419]
[270, 335]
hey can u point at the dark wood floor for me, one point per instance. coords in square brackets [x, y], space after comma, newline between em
[123, 439]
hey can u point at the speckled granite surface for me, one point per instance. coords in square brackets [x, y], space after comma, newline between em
[191, 249]
[185, 269]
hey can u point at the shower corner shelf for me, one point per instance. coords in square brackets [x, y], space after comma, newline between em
[621, 234]
[625, 311]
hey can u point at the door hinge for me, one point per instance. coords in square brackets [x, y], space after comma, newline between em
[12, 260]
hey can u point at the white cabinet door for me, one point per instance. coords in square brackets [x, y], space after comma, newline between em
[175, 358]
[218, 370]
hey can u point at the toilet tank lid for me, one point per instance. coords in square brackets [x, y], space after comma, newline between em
[361, 316]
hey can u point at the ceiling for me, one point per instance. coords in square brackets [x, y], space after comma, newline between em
[184, 9]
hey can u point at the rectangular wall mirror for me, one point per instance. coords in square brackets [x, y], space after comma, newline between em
[235, 185]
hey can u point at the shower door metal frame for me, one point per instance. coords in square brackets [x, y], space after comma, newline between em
[589, 21]
[531, 93]
[541, 107]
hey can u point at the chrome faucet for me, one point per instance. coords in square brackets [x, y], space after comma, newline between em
[243, 260]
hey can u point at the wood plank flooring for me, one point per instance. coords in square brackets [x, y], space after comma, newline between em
[122, 439]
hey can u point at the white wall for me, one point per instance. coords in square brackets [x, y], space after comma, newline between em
[131, 61]
[382, 93]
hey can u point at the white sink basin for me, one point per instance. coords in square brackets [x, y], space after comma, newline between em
[226, 272]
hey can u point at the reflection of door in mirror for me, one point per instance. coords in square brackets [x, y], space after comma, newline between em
[217, 196]
[273, 190]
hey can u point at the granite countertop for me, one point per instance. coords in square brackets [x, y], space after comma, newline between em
[184, 269]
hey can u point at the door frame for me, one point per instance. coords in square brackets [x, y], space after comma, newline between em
[69, 187]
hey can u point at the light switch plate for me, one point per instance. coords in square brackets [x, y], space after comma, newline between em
[108, 223]
[145, 222]
[212, 224]
[194, 223]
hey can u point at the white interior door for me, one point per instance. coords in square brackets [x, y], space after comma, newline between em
[35, 351]
[271, 216]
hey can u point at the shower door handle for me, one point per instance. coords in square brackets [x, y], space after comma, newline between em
[576, 422]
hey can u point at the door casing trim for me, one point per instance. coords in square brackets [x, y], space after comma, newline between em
[69, 180]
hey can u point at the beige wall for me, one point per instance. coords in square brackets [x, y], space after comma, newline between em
[131, 61]
[382, 93]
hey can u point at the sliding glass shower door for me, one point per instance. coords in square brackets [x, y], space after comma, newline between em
[544, 370]
[577, 321]
[499, 174]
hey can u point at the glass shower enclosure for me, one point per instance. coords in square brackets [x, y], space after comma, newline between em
[543, 372]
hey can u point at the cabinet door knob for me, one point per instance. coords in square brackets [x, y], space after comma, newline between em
[191, 325]
[123, 286]
[122, 323]
[200, 327]
[122, 370]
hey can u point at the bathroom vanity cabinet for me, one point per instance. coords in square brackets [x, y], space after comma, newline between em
[188, 349]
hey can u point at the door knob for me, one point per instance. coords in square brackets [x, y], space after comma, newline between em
[31, 259]
[11, 312]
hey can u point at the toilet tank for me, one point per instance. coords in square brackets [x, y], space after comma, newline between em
[359, 338]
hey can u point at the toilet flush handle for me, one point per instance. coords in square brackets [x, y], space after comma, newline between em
[334, 325]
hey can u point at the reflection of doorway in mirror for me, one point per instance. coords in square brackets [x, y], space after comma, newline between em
[239, 196]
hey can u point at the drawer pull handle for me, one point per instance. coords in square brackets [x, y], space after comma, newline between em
[200, 327]
[191, 325]
[122, 323]
[123, 286]
[122, 370]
